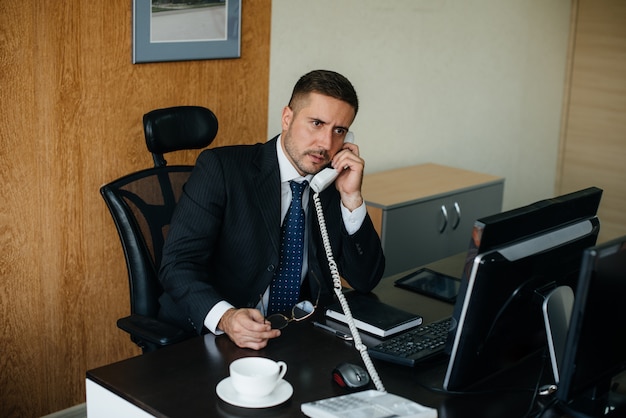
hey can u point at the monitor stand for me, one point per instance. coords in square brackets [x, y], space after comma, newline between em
[557, 311]
[556, 308]
[600, 401]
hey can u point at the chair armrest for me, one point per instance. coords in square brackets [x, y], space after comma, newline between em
[152, 330]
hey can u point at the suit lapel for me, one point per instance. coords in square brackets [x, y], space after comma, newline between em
[267, 189]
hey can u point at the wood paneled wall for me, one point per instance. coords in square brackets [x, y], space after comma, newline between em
[70, 120]
[593, 142]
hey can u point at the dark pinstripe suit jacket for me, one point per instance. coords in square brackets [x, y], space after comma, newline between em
[223, 243]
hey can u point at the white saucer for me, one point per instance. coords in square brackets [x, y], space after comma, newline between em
[227, 393]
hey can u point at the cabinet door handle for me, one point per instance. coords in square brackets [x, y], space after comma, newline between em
[457, 209]
[444, 212]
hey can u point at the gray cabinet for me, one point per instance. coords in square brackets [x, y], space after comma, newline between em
[426, 212]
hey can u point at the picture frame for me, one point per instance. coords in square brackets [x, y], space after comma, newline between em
[200, 30]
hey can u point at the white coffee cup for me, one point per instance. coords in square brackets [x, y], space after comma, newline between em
[256, 377]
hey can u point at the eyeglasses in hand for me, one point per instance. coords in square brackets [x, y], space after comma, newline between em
[302, 310]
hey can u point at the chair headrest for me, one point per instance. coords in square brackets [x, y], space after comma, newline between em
[179, 128]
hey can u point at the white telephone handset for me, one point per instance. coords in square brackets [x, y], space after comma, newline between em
[324, 178]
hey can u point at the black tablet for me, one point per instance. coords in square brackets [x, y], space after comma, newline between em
[431, 283]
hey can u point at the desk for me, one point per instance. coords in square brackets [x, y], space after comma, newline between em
[180, 380]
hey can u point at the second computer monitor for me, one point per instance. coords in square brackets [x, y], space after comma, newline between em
[595, 351]
[498, 317]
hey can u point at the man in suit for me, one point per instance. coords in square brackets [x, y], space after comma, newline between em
[222, 251]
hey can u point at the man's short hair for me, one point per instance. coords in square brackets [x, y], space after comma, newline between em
[328, 83]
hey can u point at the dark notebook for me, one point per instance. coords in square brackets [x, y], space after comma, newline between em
[373, 316]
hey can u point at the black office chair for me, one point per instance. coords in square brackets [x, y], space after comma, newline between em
[142, 204]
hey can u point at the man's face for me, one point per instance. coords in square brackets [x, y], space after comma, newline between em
[314, 131]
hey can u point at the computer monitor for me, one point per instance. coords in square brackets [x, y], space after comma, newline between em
[496, 230]
[518, 258]
[596, 342]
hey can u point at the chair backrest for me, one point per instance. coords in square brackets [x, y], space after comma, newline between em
[177, 128]
[142, 203]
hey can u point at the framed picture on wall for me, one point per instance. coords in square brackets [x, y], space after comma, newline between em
[183, 30]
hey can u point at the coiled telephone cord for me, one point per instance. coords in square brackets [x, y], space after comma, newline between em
[358, 344]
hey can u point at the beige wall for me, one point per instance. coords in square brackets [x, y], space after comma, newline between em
[472, 84]
[71, 105]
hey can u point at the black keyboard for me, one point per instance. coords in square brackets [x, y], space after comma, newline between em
[414, 345]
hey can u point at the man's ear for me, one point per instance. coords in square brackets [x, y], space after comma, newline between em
[287, 117]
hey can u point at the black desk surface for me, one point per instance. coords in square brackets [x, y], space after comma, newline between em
[180, 380]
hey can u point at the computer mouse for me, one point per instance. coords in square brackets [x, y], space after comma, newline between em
[351, 376]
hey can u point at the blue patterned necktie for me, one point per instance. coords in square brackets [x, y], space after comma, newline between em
[285, 287]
